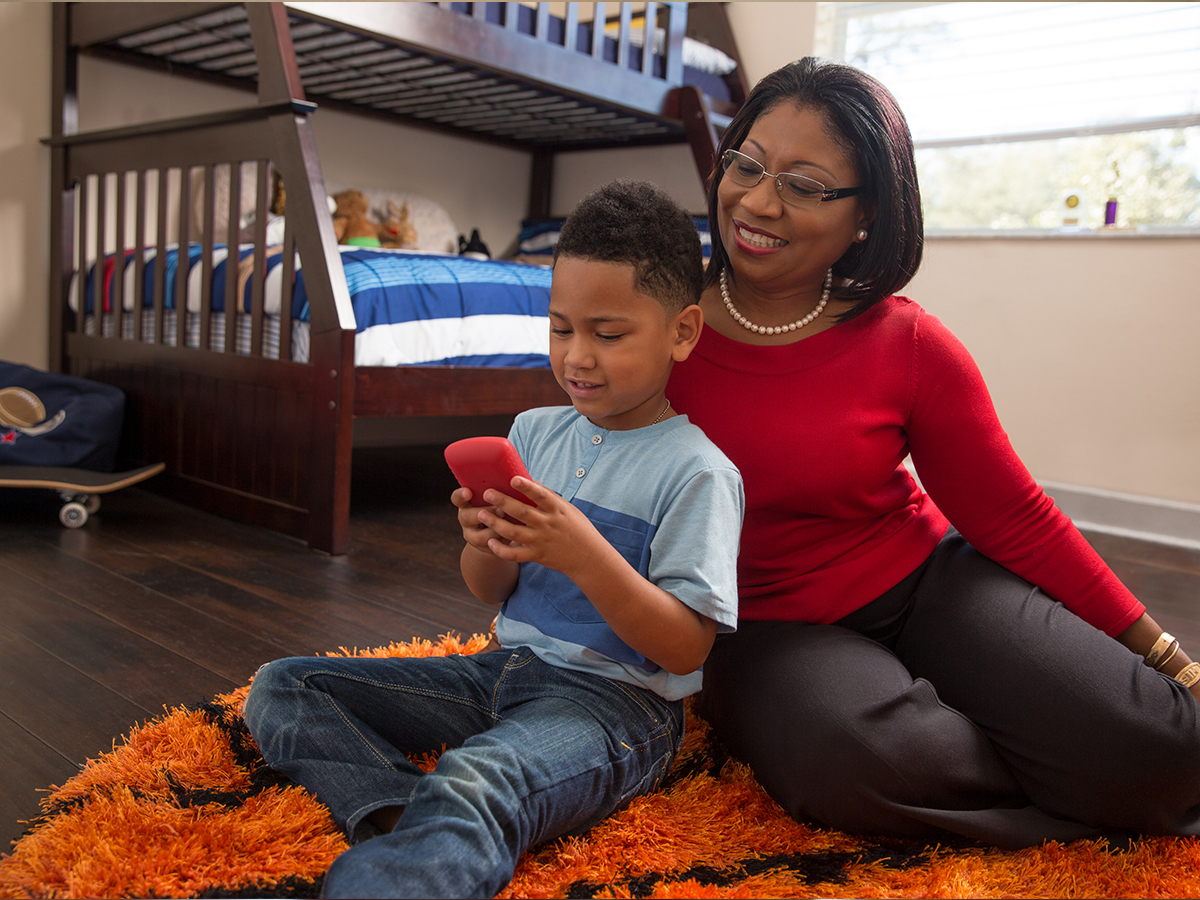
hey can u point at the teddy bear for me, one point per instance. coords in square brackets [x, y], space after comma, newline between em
[351, 220]
[396, 229]
[354, 222]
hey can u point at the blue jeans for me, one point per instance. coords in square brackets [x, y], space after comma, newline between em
[537, 752]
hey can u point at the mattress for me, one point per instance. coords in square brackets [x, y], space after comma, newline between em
[409, 308]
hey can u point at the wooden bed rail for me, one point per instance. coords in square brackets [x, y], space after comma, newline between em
[540, 59]
[235, 429]
[545, 81]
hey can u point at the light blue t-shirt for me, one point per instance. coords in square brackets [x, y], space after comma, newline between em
[666, 498]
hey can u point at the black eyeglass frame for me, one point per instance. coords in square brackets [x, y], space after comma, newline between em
[729, 157]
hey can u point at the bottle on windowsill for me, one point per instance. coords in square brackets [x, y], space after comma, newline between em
[1074, 210]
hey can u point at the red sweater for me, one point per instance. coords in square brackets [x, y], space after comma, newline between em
[820, 428]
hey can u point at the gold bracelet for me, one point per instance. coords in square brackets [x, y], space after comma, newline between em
[1166, 659]
[1188, 675]
[1160, 647]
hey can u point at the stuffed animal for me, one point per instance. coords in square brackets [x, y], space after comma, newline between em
[276, 209]
[354, 222]
[351, 222]
[396, 229]
[278, 193]
[475, 248]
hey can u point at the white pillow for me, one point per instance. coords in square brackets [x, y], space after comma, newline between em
[249, 198]
[696, 54]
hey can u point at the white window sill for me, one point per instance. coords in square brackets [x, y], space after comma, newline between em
[1060, 233]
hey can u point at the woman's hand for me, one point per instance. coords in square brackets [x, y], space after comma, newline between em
[1140, 637]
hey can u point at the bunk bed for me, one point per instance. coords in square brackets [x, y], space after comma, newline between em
[251, 403]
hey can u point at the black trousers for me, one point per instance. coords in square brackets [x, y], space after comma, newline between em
[966, 701]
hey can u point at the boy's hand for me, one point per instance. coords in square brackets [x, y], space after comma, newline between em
[488, 577]
[555, 533]
[560, 537]
[475, 532]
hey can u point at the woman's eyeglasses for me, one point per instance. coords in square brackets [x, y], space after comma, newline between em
[795, 190]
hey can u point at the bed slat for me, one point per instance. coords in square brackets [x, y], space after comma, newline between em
[181, 270]
[139, 252]
[233, 227]
[287, 285]
[160, 271]
[206, 253]
[118, 286]
[258, 290]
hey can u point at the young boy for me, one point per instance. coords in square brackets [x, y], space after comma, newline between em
[612, 589]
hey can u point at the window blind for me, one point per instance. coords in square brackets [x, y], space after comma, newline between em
[1039, 114]
[971, 72]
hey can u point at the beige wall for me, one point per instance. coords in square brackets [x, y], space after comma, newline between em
[1088, 344]
[24, 181]
[1089, 347]
[770, 35]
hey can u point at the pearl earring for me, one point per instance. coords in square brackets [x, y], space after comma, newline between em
[862, 234]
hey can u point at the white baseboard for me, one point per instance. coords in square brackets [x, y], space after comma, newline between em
[1129, 515]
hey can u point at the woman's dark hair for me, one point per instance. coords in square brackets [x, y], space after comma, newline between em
[638, 224]
[867, 121]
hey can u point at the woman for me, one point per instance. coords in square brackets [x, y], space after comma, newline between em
[896, 671]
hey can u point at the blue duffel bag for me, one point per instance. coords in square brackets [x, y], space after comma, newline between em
[49, 419]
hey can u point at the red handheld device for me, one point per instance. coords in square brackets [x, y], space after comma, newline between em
[480, 463]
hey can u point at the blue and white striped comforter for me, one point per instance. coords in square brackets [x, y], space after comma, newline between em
[409, 308]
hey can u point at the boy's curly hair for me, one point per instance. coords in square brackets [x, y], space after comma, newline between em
[638, 224]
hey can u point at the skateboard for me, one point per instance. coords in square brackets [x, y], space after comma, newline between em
[79, 489]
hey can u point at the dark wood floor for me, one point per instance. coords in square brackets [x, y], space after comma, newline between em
[154, 604]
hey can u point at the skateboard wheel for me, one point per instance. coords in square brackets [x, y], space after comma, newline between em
[91, 504]
[73, 515]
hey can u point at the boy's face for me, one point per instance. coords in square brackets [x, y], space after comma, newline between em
[612, 347]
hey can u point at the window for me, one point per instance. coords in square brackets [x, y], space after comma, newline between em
[1036, 115]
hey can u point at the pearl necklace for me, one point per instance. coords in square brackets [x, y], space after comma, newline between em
[777, 329]
[661, 414]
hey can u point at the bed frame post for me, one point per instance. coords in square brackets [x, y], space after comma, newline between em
[331, 353]
[701, 133]
[278, 77]
[709, 23]
[64, 120]
[541, 180]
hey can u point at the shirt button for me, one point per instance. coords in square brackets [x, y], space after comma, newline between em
[580, 472]
[596, 438]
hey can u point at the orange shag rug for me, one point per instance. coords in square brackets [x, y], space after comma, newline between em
[184, 806]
